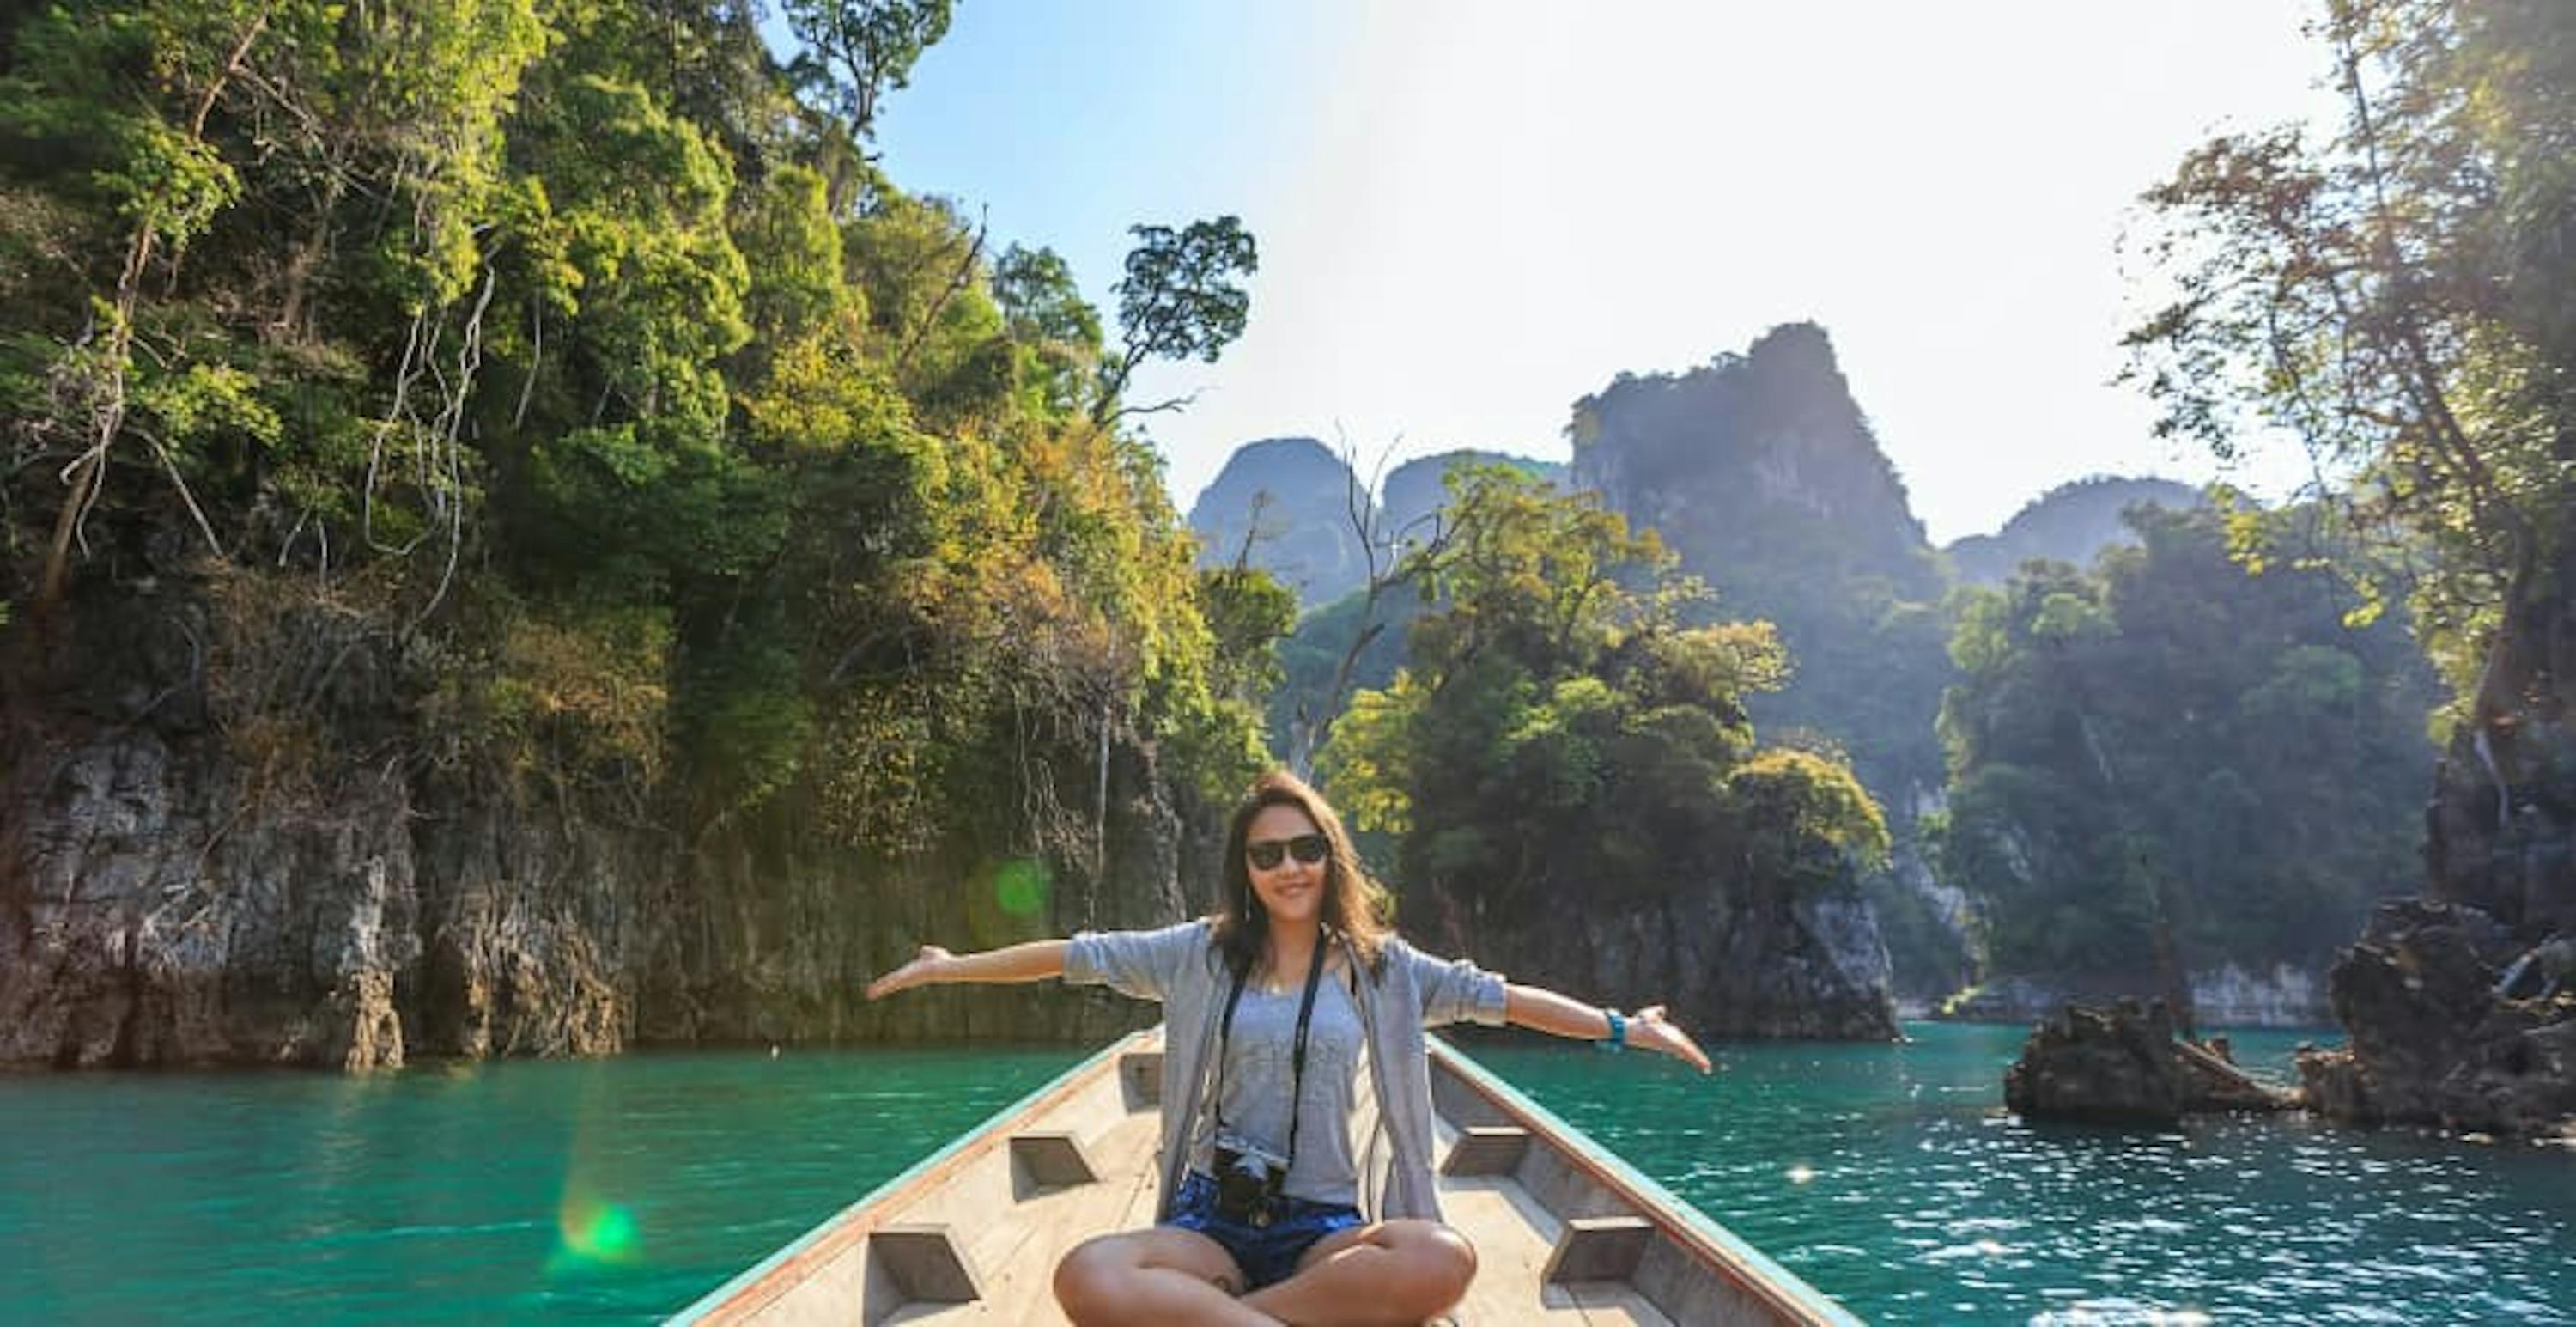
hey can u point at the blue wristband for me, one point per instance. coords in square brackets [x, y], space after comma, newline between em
[1618, 1038]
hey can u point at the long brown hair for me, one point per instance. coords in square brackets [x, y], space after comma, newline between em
[1354, 904]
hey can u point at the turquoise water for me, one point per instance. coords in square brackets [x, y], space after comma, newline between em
[1887, 1177]
[626, 1188]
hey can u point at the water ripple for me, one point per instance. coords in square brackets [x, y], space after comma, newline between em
[1927, 1205]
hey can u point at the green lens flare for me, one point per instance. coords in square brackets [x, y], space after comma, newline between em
[596, 1232]
[1020, 887]
[612, 1232]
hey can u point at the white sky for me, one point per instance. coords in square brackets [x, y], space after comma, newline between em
[1470, 214]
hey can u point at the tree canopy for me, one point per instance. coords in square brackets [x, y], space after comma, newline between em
[1561, 730]
[2393, 295]
[583, 346]
[2169, 730]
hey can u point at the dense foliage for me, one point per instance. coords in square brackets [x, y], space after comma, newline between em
[1562, 731]
[2395, 295]
[582, 346]
[2168, 732]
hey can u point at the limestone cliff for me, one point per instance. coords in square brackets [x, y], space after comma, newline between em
[2069, 523]
[2444, 1029]
[1418, 489]
[1728, 966]
[1283, 504]
[2501, 830]
[1761, 472]
[237, 837]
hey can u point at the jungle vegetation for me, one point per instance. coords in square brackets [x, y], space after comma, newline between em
[1562, 730]
[2167, 735]
[586, 353]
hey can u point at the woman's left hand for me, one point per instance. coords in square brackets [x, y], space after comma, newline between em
[1647, 1030]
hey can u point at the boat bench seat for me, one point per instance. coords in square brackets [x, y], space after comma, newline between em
[1052, 1159]
[1487, 1149]
[926, 1263]
[1140, 1077]
[1598, 1248]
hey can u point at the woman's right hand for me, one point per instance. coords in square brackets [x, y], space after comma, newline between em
[921, 971]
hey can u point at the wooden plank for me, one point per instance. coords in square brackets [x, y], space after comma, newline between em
[1570, 1172]
[1018, 1255]
[1140, 1073]
[1052, 1158]
[1687, 1293]
[1487, 1149]
[926, 1263]
[1513, 1236]
[1617, 1306]
[1599, 1248]
[821, 1252]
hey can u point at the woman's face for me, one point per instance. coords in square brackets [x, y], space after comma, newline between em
[1291, 888]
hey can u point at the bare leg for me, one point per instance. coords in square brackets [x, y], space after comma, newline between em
[1391, 1272]
[1162, 1275]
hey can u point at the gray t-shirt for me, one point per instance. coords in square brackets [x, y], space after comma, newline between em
[1260, 1067]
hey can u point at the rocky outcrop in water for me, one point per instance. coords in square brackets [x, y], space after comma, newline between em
[2438, 1037]
[2121, 1064]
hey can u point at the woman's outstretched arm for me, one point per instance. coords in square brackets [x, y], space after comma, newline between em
[1033, 961]
[1542, 1010]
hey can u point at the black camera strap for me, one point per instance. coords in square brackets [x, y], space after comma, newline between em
[1296, 1053]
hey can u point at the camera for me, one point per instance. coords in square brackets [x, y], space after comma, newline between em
[1249, 1180]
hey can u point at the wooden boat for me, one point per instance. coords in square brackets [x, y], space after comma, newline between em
[1564, 1232]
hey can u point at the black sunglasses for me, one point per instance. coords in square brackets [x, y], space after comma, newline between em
[1266, 855]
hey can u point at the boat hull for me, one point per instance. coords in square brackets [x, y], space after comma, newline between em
[1564, 1231]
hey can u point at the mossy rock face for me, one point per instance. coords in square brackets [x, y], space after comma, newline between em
[2501, 830]
[241, 830]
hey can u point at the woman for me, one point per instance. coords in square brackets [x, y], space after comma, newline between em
[1272, 1009]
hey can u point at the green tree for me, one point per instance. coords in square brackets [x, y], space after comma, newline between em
[1180, 299]
[447, 307]
[1561, 730]
[1058, 331]
[855, 51]
[2394, 297]
[2172, 735]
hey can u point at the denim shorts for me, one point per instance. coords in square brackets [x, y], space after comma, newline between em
[1267, 1254]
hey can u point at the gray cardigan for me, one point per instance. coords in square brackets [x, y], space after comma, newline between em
[1408, 992]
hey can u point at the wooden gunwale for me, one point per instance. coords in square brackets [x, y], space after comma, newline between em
[1722, 1253]
[780, 1273]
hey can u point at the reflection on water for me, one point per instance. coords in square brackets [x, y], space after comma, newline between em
[626, 1188]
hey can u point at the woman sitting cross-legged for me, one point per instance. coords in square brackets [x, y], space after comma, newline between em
[1271, 1011]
